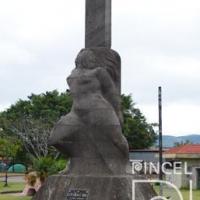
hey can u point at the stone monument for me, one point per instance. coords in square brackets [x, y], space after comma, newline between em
[91, 133]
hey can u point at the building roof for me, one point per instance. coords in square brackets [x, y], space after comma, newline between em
[151, 150]
[188, 151]
[185, 149]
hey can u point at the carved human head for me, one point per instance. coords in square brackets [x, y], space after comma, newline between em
[86, 59]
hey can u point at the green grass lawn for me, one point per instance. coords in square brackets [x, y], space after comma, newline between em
[12, 187]
[11, 197]
[196, 194]
[185, 193]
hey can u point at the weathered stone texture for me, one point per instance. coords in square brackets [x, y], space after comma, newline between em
[91, 133]
[98, 188]
[98, 23]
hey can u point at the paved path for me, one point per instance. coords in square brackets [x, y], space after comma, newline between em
[13, 179]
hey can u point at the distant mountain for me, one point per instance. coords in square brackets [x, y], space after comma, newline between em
[168, 140]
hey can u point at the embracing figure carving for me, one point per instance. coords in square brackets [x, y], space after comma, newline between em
[91, 133]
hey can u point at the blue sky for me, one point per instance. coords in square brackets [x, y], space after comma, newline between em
[159, 42]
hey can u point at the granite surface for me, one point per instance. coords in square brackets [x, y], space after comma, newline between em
[91, 133]
[93, 188]
[98, 23]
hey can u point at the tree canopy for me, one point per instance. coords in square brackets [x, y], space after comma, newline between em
[31, 121]
[9, 147]
[138, 132]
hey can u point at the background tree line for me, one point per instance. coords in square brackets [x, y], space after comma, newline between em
[29, 123]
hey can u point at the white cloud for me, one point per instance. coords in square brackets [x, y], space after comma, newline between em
[158, 40]
[12, 54]
[178, 119]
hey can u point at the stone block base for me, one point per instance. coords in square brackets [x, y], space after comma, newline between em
[65, 187]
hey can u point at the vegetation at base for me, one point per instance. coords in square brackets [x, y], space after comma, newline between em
[48, 166]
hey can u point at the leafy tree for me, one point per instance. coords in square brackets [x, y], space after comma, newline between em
[138, 132]
[8, 150]
[9, 147]
[32, 120]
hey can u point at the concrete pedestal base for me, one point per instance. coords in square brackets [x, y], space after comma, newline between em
[64, 187]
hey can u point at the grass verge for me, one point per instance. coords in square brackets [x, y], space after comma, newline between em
[11, 187]
[12, 197]
[168, 192]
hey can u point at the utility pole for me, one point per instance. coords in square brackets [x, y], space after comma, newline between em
[6, 177]
[160, 138]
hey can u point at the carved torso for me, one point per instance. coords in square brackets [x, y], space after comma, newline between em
[91, 133]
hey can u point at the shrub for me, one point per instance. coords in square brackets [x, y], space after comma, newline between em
[60, 164]
[48, 165]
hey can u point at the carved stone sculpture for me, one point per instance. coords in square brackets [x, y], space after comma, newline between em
[91, 136]
[91, 133]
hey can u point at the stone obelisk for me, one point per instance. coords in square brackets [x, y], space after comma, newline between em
[91, 133]
[98, 23]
